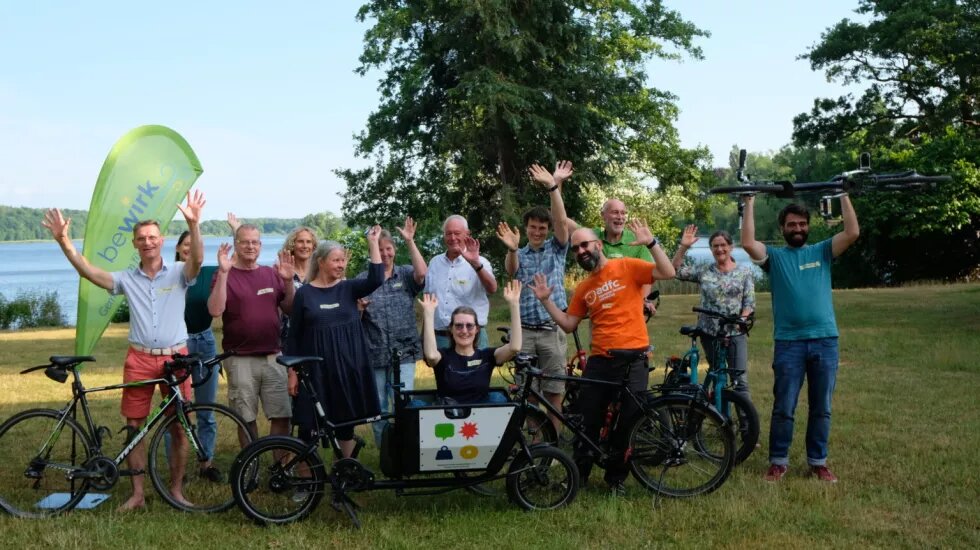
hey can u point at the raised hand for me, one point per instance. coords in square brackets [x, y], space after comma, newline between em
[510, 236]
[429, 302]
[57, 224]
[643, 234]
[233, 222]
[690, 236]
[541, 176]
[407, 232]
[373, 234]
[512, 292]
[286, 267]
[563, 171]
[541, 289]
[471, 252]
[224, 261]
[195, 203]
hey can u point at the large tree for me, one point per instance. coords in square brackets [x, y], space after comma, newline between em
[474, 91]
[921, 110]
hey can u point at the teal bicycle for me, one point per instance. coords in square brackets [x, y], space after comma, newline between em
[51, 459]
[719, 388]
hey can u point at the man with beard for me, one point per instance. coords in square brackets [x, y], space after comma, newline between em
[460, 277]
[611, 296]
[804, 330]
[248, 298]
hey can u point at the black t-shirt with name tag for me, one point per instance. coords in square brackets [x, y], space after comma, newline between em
[465, 378]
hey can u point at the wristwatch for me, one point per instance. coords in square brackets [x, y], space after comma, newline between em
[653, 243]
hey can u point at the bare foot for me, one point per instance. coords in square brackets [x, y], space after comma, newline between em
[178, 495]
[134, 503]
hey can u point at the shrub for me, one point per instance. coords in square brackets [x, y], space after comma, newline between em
[30, 310]
[122, 314]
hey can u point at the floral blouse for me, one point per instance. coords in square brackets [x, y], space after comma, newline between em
[727, 293]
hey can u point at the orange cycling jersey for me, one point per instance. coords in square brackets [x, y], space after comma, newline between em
[611, 297]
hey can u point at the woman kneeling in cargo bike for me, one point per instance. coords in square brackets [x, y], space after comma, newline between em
[462, 371]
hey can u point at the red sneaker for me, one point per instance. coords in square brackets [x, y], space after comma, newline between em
[775, 472]
[823, 473]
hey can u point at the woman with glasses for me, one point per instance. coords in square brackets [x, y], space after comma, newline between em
[726, 288]
[326, 322]
[462, 370]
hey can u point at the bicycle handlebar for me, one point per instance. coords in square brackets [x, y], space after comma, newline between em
[186, 363]
[857, 181]
[726, 319]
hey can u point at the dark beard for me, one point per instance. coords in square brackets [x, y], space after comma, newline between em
[587, 261]
[797, 238]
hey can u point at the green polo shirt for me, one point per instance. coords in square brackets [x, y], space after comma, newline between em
[623, 249]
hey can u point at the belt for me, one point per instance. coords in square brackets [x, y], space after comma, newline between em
[550, 327]
[159, 351]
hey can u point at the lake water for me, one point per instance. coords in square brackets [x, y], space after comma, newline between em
[41, 267]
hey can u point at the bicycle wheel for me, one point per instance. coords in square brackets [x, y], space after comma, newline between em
[681, 448]
[278, 480]
[548, 481]
[537, 429]
[38, 451]
[202, 493]
[741, 413]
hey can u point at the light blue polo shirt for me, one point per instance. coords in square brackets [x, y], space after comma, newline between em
[802, 304]
[156, 306]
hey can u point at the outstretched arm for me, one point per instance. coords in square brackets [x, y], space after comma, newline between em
[663, 268]
[511, 237]
[58, 226]
[688, 238]
[843, 240]
[192, 215]
[472, 255]
[542, 292]
[512, 295]
[218, 298]
[755, 249]
[429, 349]
[418, 262]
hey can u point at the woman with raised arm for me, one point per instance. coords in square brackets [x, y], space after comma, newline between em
[726, 288]
[462, 371]
[326, 322]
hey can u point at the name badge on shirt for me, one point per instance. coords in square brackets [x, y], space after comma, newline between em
[396, 285]
[263, 291]
[461, 282]
[329, 306]
[810, 265]
[473, 363]
[607, 306]
[165, 290]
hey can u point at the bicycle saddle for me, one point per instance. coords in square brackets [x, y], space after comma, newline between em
[65, 361]
[290, 361]
[693, 331]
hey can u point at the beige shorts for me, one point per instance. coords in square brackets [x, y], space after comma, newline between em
[550, 347]
[251, 378]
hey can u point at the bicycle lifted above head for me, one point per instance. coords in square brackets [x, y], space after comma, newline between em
[50, 459]
[720, 388]
[423, 452]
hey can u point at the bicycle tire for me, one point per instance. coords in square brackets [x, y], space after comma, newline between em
[267, 493]
[549, 481]
[663, 455]
[744, 421]
[538, 429]
[204, 494]
[26, 478]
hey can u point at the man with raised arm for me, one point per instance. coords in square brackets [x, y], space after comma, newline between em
[546, 256]
[611, 296]
[155, 293]
[460, 277]
[804, 329]
[248, 297]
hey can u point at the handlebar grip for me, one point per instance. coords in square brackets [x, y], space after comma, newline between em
[742, 154]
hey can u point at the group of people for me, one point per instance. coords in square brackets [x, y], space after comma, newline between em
[305, 305]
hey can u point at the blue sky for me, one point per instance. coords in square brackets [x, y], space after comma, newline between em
[266, 95]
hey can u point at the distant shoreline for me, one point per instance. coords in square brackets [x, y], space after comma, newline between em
[28, 241]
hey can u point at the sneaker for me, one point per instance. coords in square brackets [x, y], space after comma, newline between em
[212, 474]
[617, 489]
[775, 472]
[823, 473]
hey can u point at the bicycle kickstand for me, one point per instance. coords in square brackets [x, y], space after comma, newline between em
[343, 503]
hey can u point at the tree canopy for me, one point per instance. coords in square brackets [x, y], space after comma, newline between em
[473, 92]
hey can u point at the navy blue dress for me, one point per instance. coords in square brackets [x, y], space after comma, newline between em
[325, 322]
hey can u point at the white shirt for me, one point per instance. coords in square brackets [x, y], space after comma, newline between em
[455, 283]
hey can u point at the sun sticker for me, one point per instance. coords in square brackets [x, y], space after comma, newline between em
[468, 430]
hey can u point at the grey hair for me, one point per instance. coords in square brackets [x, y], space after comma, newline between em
[322, 251]
[246, 227]
[605, 205]
[455, 217]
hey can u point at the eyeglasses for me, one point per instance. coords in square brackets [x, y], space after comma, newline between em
[584, 245]
[250, 243]
[464, 326]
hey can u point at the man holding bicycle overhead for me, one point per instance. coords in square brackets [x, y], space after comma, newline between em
[547, 256]
[804, 327]
[155, 293]
[611, 296]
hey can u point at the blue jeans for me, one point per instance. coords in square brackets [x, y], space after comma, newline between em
[793, 360]
[383, 381]
[482, 341]
[203, 344]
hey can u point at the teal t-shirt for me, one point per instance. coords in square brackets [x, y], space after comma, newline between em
[802, 305]
[196, 305]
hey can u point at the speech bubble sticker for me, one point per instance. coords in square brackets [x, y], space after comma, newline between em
[445, 430]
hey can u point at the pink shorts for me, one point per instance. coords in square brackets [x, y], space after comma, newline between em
[137, 401]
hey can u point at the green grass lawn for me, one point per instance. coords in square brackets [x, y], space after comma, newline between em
[905, 442]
